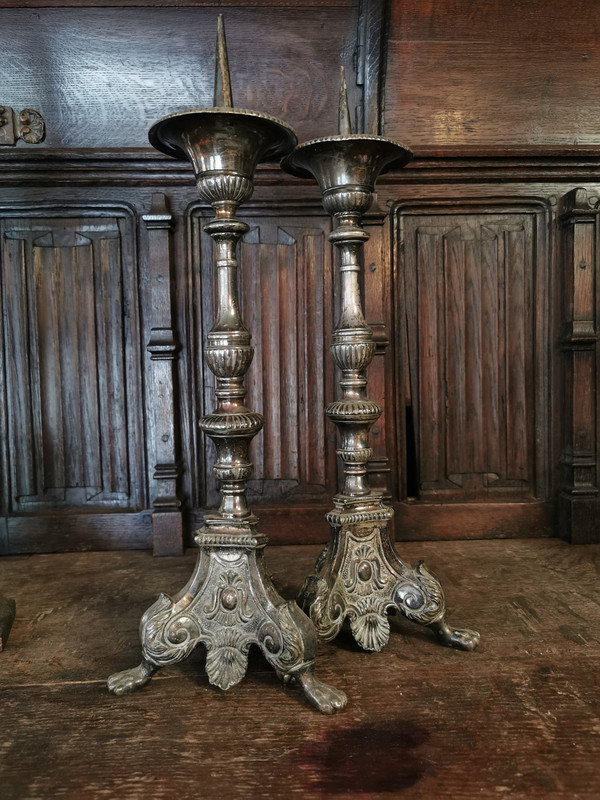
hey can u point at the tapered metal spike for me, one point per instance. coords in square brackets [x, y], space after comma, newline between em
[222, 97]
[344, 122]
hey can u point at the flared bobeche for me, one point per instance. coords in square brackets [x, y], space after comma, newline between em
[222, 139]
[346, 161]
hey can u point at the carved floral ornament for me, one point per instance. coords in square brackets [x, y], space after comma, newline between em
[27, 125]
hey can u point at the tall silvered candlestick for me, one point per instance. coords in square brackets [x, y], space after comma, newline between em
[229, 603]
[359, 576]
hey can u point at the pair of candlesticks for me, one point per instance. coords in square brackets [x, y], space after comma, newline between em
[229, 602]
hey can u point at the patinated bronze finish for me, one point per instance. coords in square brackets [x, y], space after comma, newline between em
[359, 576]
[27, 125]
[229, 602]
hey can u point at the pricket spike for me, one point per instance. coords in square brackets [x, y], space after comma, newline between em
[344, 123]
[222, 97]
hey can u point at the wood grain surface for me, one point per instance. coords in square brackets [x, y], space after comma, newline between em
[99, 84]
[493, 74]
[516, 719]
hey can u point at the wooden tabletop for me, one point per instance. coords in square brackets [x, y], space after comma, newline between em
[518, 718]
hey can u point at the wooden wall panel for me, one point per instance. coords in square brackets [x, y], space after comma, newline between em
[72, 380]
[492, 75]
[475, 295]
[102, 76]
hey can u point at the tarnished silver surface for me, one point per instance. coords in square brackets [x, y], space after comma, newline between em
[358, 576]
[229, 603]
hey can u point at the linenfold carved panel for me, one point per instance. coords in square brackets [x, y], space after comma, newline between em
[287, 291]
[475, 294]
[70, 348]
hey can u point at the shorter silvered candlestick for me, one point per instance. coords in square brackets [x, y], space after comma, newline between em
[359, 576]
[229, 603]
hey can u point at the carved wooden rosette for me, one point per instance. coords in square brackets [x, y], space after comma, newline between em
[358, 576]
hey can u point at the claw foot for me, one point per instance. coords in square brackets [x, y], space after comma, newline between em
[461, 639]
[131, 679]
[324, 698]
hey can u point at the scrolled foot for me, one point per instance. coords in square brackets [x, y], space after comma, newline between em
[131, 679]
[461, 639]
[323, 697]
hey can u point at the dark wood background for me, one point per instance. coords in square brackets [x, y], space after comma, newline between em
[480, 277]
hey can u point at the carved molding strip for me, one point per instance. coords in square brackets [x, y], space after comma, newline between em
[141, 167]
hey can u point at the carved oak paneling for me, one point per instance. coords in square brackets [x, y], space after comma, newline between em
[476, 295]
[467, 312]
[287, 298]
[71, 354]
[579, 513]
